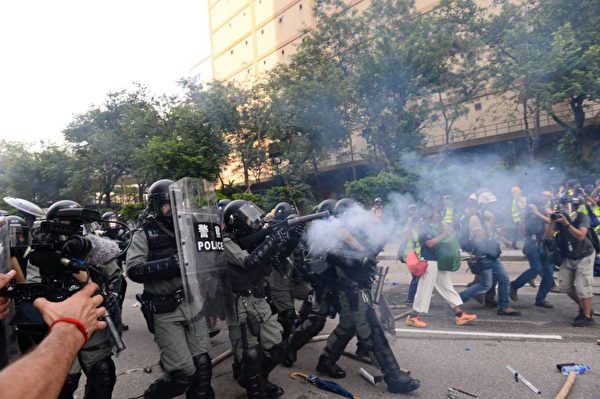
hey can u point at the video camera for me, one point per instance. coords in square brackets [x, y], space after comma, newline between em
[558, 214]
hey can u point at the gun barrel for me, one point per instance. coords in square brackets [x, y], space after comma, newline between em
[307, 218]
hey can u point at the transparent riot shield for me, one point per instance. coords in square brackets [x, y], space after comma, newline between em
[4, 249]
[200, 249]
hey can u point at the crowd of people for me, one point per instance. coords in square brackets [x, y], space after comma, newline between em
[328, 265]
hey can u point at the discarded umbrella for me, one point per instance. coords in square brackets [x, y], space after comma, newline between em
[325, 385]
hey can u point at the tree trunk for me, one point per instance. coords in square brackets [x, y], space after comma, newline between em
[316, 171]
[141, 189]
[352, 157]
[107, 201]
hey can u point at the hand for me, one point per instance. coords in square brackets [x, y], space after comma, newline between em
[562, 220]
[279, 236]
[533, 207]
[82, 306]
[4, 301]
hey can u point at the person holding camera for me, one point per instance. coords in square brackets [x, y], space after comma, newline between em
[533, 227]
[575, 252]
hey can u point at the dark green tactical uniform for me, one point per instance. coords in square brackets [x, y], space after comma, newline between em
[255, 323]
[183, 354]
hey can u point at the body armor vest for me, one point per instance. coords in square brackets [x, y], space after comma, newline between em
[160, 244]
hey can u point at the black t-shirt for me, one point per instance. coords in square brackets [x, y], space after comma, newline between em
[426, 233]
[570, 246]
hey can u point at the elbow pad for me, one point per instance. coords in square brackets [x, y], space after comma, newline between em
[261, 254]
[160, 269]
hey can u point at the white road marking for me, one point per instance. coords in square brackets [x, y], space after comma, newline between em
[479, 334]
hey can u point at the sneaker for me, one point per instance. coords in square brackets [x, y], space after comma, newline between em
[465, 319]
[513, 293]
[415, 321]
[579, 315]
[544, 304]
[584, 322]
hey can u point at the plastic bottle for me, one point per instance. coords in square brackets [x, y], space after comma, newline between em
[578, 368]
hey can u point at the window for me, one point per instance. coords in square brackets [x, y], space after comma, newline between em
[231, 52]
[282, 52]
[281, 19]
[300, 6]
[230, 24]
[262, 31]
[246, 42]
[477, 106]
[248, 71]
[265, 62]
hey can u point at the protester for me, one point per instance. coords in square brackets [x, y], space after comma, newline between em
[409, 241]
[574, 246]
[517, 205]
[41, 373]
[533, 226]
[431, 233]
[481, 228]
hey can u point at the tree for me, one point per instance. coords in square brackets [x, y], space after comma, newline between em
[190, 146]
[107, 138]
[547, 51]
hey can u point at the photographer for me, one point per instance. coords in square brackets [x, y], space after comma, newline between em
[533, 227]
[573, 244]
[58, 244]
[41, 373]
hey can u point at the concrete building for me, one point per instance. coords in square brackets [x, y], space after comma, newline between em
[249, 37]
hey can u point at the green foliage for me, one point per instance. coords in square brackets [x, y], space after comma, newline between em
[257, 199]
[300, 195]
[131, 210]
[365, 190]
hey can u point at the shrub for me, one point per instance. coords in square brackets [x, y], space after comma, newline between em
[365, 190]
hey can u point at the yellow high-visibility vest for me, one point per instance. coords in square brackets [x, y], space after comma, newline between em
[516, 212]
[448, 215]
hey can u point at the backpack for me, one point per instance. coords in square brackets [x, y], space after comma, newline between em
[593, 236]
[464, 235]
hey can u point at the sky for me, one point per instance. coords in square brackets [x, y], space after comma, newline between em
[59, 57]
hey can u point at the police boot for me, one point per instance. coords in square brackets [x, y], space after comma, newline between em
[330, 368]
[252, 376]
[396, 380]
[101, 380]
[336, 343]
[304, 333]
[200, 388]
[70, 386]
[169, 385]
[276, 353]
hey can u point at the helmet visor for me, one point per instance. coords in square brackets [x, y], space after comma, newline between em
[18, 236]
[249, 214]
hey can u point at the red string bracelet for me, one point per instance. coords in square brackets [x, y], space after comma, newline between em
[75, 322]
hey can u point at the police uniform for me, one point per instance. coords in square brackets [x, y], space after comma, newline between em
[355, 270]
[183, 353]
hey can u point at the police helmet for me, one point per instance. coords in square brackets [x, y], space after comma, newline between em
[108, 219]
[223, 203]
[326, 205]
[343, 205]
[158, 197]
[378, 201]
[242, 217]
[569, 199]
[283, 210]
[3, 212]
[486, 198]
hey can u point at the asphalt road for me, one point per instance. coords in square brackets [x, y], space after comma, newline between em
[474, 362]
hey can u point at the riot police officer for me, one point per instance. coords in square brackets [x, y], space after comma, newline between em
[324, 300]
[355, 267]
[152, 260]
[94, 357]
[284, 282]
[256, 335]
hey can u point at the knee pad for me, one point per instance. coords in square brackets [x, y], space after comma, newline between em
[317, 322]
[202, 362]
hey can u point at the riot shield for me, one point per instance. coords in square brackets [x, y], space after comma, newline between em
[4, 249]
[200, 248]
